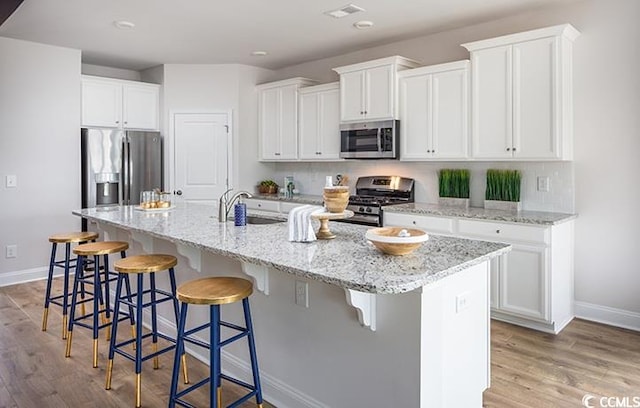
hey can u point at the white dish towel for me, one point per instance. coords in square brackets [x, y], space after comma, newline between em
[300, 226]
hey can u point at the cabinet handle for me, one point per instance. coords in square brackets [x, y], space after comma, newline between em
[365, 112]
[117, 121]
[259, 205]
[414, 223]
[497, 231]
[277, 154]
[508, 149]
[514, 149]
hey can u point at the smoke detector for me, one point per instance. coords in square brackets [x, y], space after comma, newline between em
[363, 25]
[124, 25]
[344, 11]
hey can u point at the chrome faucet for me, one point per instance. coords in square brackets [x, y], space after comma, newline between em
[224, 206]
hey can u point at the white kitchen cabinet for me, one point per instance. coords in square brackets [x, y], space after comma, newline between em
[117, 103]
[532, 285]
[368, 90]
[278, 119]
[319, 122]
[522, 95]
[434, 112]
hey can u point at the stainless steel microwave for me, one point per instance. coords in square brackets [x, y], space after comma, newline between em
[371, 140]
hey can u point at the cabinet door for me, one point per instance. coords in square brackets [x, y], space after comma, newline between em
[491, 103]
[495, 266]
[450, 123]
[329, 119]
[309, 125]
[269, 120]
[523, 282]
[415, 117]
[141, 106]
[352, 96]
[379, 93]
[101, 103]
[534, 99]
[288, 122]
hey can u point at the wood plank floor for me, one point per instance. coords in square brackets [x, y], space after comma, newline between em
[529, 369]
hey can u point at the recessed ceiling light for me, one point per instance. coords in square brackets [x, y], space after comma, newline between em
[344, 11]
[124, 25]
[363, 25]
[259, 53]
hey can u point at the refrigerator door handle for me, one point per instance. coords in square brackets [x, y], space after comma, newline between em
[125, 171]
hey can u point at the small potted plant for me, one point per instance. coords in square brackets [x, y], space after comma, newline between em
[268, 187]
[454, 187]
[503, 190]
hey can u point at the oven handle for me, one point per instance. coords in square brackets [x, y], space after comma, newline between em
[379, 141]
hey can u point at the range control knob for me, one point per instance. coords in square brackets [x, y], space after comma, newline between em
[369, 209]
[361, 209]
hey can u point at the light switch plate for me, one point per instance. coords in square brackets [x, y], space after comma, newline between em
[543, 183]
[11, 181]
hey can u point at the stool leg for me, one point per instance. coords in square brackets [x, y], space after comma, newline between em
[214, 355]
[154, 319]
[179, 352]
[139, 296]
[172, 280]
[107, 298]
[97, 288]
[74, 298]
[114, 329]
[65, 291]
[252, 351]
[218, 352]
[47, 294]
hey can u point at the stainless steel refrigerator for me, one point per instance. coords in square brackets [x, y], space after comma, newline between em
[117, 165]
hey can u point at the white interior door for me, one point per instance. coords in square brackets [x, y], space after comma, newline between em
[201, 155]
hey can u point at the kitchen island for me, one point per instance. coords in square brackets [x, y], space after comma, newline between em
[337, 323]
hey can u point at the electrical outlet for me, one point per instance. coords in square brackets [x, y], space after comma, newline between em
[302, 293]
[11, 251]
[11, 181]
[543, 183]
[462, 301]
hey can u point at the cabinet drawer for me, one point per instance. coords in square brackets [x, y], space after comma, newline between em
[508, 232]
[264, 205]
[438, 225]
[286, 207]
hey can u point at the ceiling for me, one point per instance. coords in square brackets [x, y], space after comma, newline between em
[214, 32]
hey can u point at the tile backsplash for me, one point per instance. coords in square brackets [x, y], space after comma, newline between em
[309, 179]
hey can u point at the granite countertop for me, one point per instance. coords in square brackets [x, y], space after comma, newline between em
[522, 217]
[348, 261]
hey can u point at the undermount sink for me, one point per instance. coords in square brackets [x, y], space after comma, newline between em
[252, 219]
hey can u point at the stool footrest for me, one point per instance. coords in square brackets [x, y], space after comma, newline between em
[166, 298]
[118, 347]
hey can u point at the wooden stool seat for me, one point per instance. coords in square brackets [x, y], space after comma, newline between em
[101, 248]
[70, 237]
[215, 291]
[145, 263]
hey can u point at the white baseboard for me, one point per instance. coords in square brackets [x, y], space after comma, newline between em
[27, 275]
[608, 315]
[274, 390]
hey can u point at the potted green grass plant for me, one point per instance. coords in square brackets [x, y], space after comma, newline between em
[454, 187]
[503, 190]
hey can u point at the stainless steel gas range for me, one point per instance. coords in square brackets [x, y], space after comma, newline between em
[373, 193]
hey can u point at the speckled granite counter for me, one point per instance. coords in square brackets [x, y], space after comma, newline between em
[298, 198]
[524, 217]
[348, 261]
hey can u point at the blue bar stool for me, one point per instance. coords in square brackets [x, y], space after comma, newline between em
[100, 301]
[62, 300]
[141, 265]
[215, 291]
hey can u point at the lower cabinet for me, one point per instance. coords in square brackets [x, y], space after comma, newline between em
[532, 285]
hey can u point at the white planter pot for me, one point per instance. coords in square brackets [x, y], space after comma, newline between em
[454, 202]
[503, 205]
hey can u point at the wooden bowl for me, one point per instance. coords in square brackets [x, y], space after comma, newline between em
[268, 189]
[336, 199]
[393, 241]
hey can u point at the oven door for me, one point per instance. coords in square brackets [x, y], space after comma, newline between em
[368, 141]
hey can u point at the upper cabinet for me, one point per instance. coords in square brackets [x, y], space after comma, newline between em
[318, 122]
[117, 103]
[522, 95]
[278, 118]
[434, 112]
[368, 91]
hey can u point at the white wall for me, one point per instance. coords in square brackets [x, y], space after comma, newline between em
[607, 125]
[40, 144]
[211, 88]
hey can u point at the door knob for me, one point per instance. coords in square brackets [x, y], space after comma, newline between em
[178, 192]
